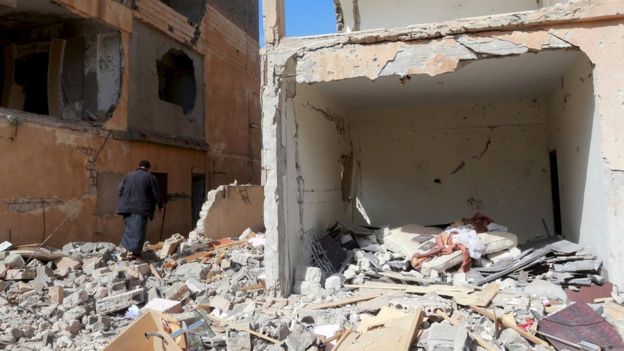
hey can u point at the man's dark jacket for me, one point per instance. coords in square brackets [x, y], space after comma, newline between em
[138, 194]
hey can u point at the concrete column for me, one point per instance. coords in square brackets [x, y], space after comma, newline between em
[274, 21]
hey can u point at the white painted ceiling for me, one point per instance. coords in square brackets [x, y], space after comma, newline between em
[525, 76]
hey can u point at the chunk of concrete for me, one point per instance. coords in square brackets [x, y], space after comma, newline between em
[163, 305]
[444, 336]
[545, 289]
[309, 274]
[120, 301]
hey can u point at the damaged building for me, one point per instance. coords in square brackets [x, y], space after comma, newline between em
[422, 113]
[90, 88]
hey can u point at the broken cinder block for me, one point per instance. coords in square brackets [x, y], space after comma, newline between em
[20, 274]
[119, 302]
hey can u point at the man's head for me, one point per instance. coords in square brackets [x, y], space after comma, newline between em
[145, 164]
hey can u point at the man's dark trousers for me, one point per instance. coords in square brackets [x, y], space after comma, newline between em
[134, 232]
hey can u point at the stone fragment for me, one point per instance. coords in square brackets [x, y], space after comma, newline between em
[220, 302]
[178, 291]
[14, 261]
[74, 313]
[170, 245]
[76, 298]
[195, 270]
[238, 341]
[545, 289]
[308, 288]
[20, 274]
[56, 294]
[73, 327]
[334, 283]
[444, 336]
[240, 257]
[14, 334]
[300, 339]
[91, 264]
[309, 274]
[67, 262]
[195, 286]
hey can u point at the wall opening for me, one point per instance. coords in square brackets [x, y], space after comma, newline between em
[31, 73]
[59, 65]
[176, 80]
[194, 10]
[435, 149]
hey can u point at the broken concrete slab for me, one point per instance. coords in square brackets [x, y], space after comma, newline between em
[243, 202]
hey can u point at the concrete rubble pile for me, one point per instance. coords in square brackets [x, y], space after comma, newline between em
[364, 289]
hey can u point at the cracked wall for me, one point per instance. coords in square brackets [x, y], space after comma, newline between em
[431, 165]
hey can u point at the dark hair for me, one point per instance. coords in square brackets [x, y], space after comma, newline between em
[145, 164]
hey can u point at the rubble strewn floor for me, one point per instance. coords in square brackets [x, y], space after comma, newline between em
[366, 296]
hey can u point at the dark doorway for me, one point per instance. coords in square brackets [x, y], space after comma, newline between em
[31, 72]
[198, 195]
[554, 185]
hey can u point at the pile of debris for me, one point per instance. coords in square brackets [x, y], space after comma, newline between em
[364, 289]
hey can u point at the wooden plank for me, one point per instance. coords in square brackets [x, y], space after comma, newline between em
[55, 72]
[342, 302]
[197, 256]
[396, 334]
[442, 290]
[133, 337]
[481, 298]
[614, 311]
[343, 338]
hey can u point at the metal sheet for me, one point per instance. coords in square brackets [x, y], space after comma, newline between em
[578, 323]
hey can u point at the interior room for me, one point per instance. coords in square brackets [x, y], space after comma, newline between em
[515, 138]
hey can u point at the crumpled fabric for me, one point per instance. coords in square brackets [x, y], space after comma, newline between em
[444, 245]
[479, 222]
[468, 237]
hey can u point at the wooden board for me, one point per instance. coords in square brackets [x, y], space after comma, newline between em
[480, 298]
[133, 337]
[442, 290]
[342, 302]
[395, 334]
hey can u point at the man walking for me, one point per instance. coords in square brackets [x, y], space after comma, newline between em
[138, 196]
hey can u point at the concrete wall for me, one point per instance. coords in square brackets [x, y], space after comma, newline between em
[63, 172]
[147, 113]
[320, 139]
[370, 14]
[575, 132]
[431, 165]
[81, 161]
[232, 100]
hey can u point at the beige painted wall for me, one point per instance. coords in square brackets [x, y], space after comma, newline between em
[576, 137]
[436, 164]
[231, 209]
[399, 13]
